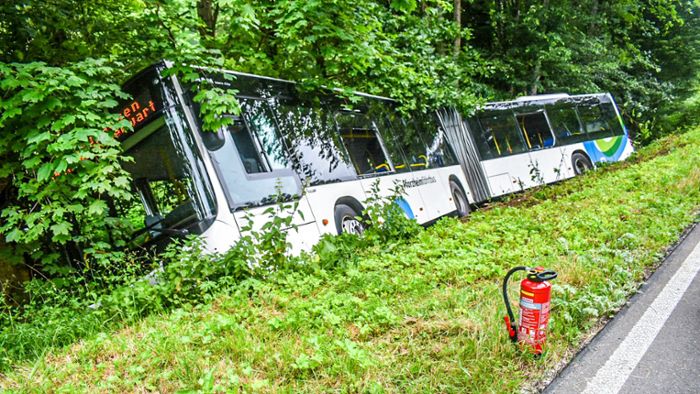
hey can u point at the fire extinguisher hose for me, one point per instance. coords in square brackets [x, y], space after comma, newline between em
[510, 319]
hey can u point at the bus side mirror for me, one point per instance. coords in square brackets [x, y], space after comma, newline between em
[213, 140]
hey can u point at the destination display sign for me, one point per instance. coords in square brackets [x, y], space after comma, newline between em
[144, 107]
[137, 113]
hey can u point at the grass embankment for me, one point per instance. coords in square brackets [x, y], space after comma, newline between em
[420, 316]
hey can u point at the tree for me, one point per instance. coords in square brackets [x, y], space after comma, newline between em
[455, 53]
[60, 159]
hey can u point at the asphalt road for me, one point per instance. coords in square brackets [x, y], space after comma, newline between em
[653, 344]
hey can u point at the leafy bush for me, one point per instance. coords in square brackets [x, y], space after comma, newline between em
[63, 163]
[385, 219]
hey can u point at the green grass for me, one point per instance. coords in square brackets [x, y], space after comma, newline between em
[423, 315]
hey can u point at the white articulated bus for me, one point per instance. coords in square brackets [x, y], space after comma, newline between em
[326, 152]
[510, 146]
[316, 149]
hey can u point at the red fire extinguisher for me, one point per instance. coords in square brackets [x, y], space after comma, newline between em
[535, 296]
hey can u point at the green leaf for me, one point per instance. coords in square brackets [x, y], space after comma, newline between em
[63, 122]
[44, 172]
[97, 207]
[61, 166]
[61, 229]
[40, 137]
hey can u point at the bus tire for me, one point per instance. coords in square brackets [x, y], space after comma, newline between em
[581, 163]
[347, 220]
[460, 199]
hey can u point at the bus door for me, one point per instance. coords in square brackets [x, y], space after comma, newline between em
[438, 165]
[546, 159]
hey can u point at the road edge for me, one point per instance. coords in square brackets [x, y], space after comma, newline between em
[552, 374]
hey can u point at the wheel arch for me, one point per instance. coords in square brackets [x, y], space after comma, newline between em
[351, 202]
[468, 208]
[583, 152]
[455, 179]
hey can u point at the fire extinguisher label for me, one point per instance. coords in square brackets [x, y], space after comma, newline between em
[528, 304]
[533, 322]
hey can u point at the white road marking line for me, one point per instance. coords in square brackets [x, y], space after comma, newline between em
[612, 376]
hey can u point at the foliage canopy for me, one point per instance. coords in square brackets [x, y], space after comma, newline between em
[61, 62]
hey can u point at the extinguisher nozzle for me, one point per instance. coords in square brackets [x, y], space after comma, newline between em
[511, 329]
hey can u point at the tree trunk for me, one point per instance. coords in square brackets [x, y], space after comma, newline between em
[458, 22]
[535, 78]
[208, 11]
[594, 15]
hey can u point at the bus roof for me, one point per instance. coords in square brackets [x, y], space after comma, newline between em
[167, 63]
[540, 99]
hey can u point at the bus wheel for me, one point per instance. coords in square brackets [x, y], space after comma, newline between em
[460, 199]
[347, 220]
[581, 163]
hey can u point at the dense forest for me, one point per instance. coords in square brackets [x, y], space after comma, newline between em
[62, 62]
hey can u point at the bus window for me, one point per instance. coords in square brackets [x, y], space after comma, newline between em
[439, 151]
[500, 126]
[310, 133]
[251, 161]
[247, 150]
[261, 121]
[161, 176]
[565, 124]
[484, 140]
[412, 144]
[594, 120]
[257, 140]
[608, 111]
[389, 124]
[360, 138]
[535, 130]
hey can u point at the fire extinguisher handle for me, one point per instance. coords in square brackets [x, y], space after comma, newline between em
[542, 276]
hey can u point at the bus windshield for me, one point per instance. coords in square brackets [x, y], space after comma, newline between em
[166, 169]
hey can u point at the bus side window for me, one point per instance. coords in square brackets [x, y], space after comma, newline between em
[536, 130]
[439, 150]
[267, 137]
[594, 120]
[484, 140]
[256, 138]
[412, 145]
[310, 133]
[389, 125]
[252, 162]
[501, 127]
[565, 124]
[608, 112]
[247, 149]
[359, 135]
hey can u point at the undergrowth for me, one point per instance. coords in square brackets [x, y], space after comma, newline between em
[416, 311]
[86, 301]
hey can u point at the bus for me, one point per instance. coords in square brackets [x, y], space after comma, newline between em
[510, 146]
[321, 150]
